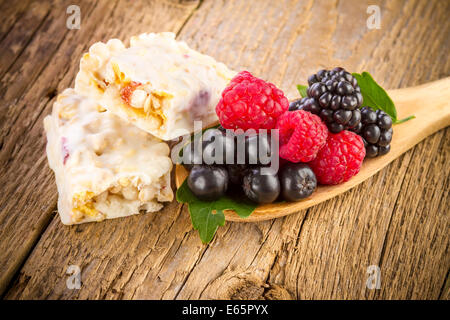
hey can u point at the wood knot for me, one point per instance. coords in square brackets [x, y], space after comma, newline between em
[51, 93]
[235, 285]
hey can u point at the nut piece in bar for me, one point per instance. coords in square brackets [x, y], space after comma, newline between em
[157, 83]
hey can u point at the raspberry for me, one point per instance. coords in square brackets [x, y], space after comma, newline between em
[340, 158]
[302, 135]
[250, 103]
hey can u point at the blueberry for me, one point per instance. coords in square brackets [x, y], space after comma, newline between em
[297, 181]
[261, 188]
[208, 183]
[236, 173]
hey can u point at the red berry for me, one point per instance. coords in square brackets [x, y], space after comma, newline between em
[250, 103]
[302, 135]
[340, 159]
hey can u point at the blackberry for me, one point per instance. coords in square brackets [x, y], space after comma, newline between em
[297, 104]
[335, 96]
[376, 131]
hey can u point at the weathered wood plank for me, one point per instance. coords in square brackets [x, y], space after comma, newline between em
[10, 14]
[360, 248]
[25, 211]
[21, 34]
[351, 231]
[417, 240]
[27, 203]
[321, 253]
[353, 246]
[445, 292]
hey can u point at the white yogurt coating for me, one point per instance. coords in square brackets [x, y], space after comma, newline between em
[104, 167]
[169, 84]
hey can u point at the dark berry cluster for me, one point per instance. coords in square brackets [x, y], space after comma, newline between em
[335, 96]
[211, 173]
[376, 130]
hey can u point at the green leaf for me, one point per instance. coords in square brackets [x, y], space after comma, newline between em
[302, 89]
[376, 97]
[207, 216]
[205, 220]
[184, 194]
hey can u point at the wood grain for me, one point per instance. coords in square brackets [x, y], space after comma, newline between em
[10, 15]
[18, 38]
[27, 203]
[390, 220]
[405, 261]
[25, 210]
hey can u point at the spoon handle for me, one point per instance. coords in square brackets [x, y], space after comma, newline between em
[430, 103]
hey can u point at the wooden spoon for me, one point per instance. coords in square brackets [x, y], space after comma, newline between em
[430, 103]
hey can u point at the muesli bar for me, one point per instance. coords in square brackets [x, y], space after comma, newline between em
[104, 167]
[157, 83]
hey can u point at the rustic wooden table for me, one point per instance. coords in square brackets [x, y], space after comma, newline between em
[397, 221]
